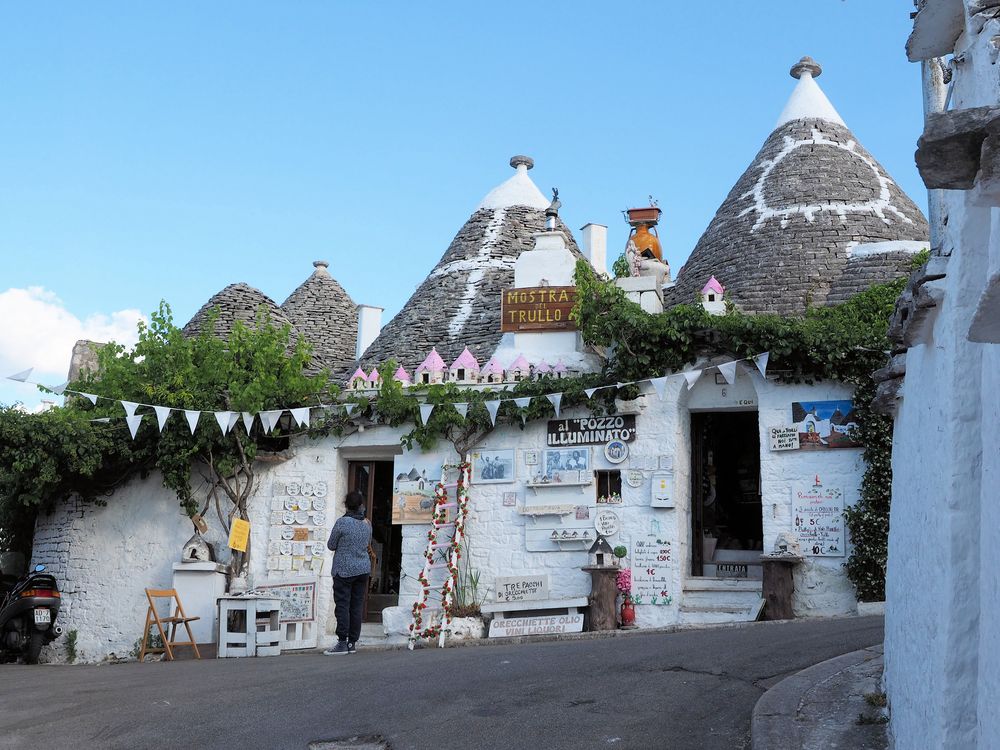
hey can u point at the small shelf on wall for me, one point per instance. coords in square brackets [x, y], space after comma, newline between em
[586, 538]
[536, 485]
[546, 510]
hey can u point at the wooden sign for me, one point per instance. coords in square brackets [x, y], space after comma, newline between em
[651, 571]
[783, 438]
[591, 430]
[527, 588]
[538, 308]
[508, 627]
[239, 535]
[819, 519]
[298, 600]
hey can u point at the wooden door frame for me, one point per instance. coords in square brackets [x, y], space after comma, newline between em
[697, 495]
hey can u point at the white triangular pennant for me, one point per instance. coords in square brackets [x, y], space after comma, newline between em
[522, 403]
[555, 399]
[425, 412]
[223, 418]
[192, 418]
[59, 389]
[269, 419]
[492, 407]
[590, 391]
[691, 376]
[728, 370]
[21, 376]
[301, 416]
[162, 412]
[102, 420]
[524, 418]
[462, 409]
[130, 407]
[349, 408]
[247, 417]
[91, 397]
[659, 385]
[133, 423]
[761, 361]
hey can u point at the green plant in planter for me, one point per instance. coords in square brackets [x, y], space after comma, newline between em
[620, 551]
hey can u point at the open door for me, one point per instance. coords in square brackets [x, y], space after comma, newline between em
[373, 479]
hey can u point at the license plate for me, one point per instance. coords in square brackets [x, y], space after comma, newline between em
[42, 616]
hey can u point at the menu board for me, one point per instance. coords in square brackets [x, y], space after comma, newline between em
[651, 571]
[818, 513]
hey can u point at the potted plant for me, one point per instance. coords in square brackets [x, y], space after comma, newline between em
[624, 585]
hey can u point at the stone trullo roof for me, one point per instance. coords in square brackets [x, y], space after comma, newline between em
[322, 311]
[813, 220]
[458, 304]
[236, 302]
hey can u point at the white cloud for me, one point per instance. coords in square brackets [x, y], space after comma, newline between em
[36, 330]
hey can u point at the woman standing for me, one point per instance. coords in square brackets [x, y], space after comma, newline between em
[352, 567]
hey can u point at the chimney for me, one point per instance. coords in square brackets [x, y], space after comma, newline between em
[595, 246]
[369, 324]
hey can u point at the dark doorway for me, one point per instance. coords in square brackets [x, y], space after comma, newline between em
[726, 523]
[373, 479]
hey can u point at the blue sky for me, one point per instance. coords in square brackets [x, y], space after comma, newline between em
[164, 150]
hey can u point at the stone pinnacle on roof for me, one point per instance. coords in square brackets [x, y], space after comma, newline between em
[808, 102]
[518, 190]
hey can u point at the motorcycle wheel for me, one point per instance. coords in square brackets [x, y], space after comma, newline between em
[35, 642]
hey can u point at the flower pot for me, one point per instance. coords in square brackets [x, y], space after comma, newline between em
[628, 613]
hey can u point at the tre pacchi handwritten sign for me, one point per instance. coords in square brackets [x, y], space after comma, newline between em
[651, 569]
[538, 308]
[818, 514]
[527, 588]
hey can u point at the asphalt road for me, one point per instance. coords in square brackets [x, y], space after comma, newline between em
[689, 689]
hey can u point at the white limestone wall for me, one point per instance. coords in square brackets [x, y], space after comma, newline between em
[104, 557]
[942, 659]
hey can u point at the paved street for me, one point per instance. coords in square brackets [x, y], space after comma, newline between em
[691, 689]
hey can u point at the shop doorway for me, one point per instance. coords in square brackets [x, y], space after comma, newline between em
[373, 479]
[726, 522]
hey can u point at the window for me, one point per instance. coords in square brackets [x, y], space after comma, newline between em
[425, 377]
[711, 298]
[460, 375]
[608, 483]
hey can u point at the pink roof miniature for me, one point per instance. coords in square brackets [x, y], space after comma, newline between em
[466, 361]
[519, 364]
[402, 376]
[359, 373]
[542, 368]
[713, 285]
[559, 368]
[374, 377]
[433, 363]
[492, 367]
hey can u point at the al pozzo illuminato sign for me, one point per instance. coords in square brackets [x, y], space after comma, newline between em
[537, 308]
[591, 430]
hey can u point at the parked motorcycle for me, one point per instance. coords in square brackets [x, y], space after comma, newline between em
[28, 614]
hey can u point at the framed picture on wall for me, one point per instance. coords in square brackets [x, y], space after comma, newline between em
[493, 466]
[566, 462]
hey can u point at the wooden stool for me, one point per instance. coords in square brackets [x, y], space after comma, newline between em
[174, 620]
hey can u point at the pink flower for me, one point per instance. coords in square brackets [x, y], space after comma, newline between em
[624, 580]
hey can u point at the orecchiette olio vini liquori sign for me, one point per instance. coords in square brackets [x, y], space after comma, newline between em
[591, 430]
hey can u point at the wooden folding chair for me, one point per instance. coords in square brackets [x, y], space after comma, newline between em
[173, 621]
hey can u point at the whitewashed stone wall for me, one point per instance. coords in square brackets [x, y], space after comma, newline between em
[942, 643]
[105, 556]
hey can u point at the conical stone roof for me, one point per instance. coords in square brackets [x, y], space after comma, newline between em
[322, 311]
[458, 304]
[813, 220]
[236, 302]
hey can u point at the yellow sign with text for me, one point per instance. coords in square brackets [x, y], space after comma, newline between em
[239, 535]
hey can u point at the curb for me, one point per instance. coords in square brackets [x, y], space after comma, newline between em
[775, 722]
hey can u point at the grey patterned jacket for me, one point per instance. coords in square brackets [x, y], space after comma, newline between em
[349, 539]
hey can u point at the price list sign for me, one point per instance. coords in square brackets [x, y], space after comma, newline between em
[651, 571]
[818, 513]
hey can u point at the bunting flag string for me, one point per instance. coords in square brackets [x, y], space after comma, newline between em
[162, 412]
[269, 419]
[134, 421]
[425, 412]
[555, 399]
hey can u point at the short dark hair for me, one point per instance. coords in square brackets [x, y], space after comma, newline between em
[354, 500]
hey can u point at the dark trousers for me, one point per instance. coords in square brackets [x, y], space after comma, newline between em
[348, 605]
